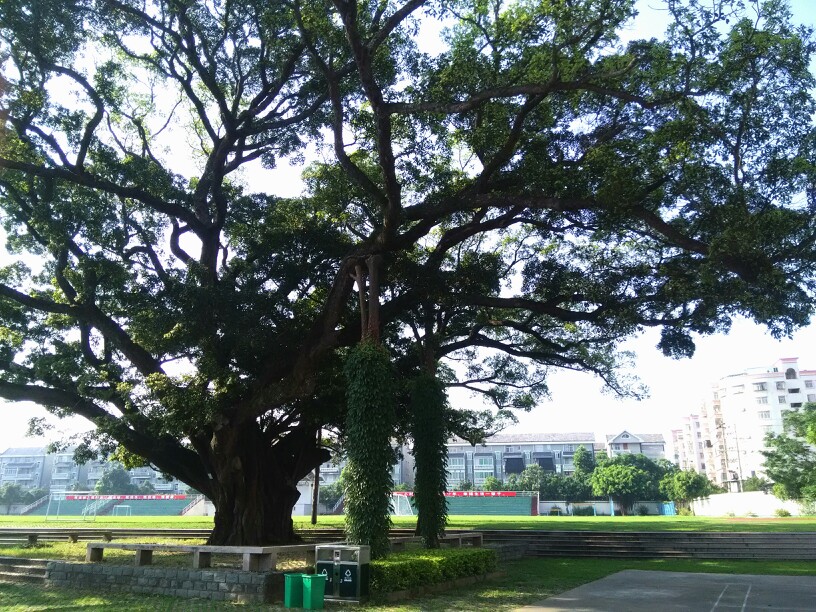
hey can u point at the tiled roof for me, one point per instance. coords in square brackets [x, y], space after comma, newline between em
[532, 438]
[23, 451]
[647, 438]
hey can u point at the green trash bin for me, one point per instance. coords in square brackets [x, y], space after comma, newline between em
[314, 590]
[293, 590]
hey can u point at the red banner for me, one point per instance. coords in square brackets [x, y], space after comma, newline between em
[467, 493]
[122, 497]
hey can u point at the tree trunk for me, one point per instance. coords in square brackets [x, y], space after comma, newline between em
[254, 486]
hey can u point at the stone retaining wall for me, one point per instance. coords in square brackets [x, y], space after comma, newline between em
[214, 584]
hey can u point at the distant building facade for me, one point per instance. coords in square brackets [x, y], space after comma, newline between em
[689, 444]
[34, 468]
[741, 410]
[652, 446]
[504, 454]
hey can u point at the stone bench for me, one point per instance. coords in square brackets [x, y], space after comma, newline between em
[255, 558]
[455, 540]
[34, 537]
[460, 539]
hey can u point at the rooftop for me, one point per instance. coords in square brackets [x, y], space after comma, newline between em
[532, 438]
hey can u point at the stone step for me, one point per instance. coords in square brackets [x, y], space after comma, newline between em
[23, 562]
[21, 577]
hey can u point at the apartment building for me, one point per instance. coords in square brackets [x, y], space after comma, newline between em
[504, 454]
[742, 409]
[36, 468]
[652, 446]
[689, 444]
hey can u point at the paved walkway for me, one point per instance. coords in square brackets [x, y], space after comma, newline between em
[642, 591]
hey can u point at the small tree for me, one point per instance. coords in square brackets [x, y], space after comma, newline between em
[116, 480]
[531, 478]
[11, 493]
[625, 484]
[756, 483]
[464, 485]
[491, 483]
[682, 486]
[584, 461]
[790, 460]
[32, 495]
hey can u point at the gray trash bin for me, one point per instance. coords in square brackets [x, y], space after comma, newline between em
[346, 568]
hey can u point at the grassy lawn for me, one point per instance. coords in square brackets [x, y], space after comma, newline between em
[561, 523]
[524, 582]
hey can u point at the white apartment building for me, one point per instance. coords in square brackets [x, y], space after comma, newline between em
[652, 446]
[689, 444]
[743, 408]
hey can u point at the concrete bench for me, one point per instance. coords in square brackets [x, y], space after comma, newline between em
[460, 539]
[255, 558]
[34, 537]
[455, 540]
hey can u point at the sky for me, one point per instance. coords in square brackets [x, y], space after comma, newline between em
[577, 401]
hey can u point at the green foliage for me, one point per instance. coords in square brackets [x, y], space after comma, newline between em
[782, 513]
[790, 461]
[530, 479]
[370, 423]
[643, 511]
[682, 486]
[428, 406]
[411, 569]
[491, 483]
[584, 461]
[11, 493]
[623, 483]
[116, 481]
[756, 483]
[567, 488]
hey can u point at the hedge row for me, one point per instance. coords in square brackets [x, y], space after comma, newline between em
[415, 568]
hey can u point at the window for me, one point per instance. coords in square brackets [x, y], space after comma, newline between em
[780, 386]
[781, 399]
[767, 429]
[699, 434]
[760, 386]
[625, 435]
[762, 400]
[738, 388]
[812, 397]
[796, 405]
[793, 390]
[808, 384]
[790, 374]
[482, 468]
[702, 466]
[764, 414]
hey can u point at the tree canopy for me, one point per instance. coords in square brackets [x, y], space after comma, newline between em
[790, 459]
[526, 195]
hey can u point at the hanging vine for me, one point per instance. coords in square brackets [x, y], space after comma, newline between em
[428, 405]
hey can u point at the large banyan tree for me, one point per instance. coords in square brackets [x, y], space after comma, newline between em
[499, 187]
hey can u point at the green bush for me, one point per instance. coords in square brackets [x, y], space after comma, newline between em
[583, 511]
[781, 512]
[642, 510]
[684, 512]
[415, 568]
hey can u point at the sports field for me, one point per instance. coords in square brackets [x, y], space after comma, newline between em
[560, 523]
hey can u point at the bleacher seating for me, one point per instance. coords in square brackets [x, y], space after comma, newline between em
[495, 506]
[151, 507]
[138, 507]
[66, 507]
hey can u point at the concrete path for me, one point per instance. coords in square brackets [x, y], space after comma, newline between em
[642, 591]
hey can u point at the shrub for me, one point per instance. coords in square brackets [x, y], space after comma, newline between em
[781, 512]
[583, 511]
[642, 510]
[730, 514]
[411, 569]
[684, 512]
